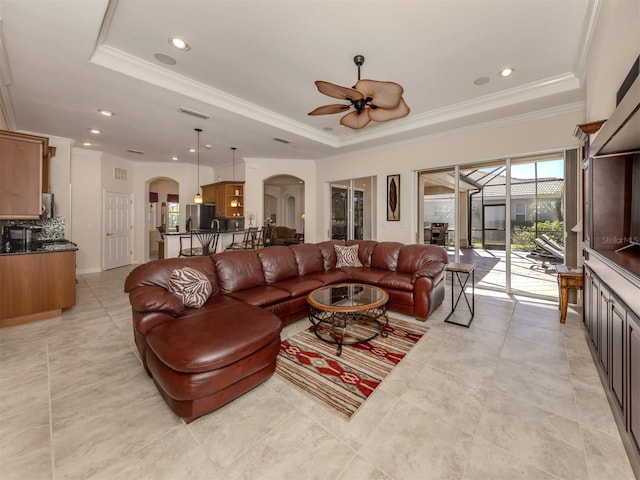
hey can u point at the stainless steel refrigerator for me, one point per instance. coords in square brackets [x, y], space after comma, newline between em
[200, 217]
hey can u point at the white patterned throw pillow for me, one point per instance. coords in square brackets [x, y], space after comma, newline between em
[190, 286]
[347, 256]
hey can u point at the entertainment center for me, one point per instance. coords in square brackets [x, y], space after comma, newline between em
[611, 235]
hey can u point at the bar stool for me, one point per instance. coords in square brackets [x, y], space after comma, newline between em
[208, 240]
[467, 269]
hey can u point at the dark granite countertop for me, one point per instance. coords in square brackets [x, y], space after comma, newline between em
[47, 247]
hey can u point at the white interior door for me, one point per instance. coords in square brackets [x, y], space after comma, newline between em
[117, 229]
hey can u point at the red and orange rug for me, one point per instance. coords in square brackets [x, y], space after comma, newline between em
[344, 382]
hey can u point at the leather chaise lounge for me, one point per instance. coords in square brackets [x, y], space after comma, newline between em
[201, 358]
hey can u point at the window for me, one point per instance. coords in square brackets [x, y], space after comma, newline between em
[521, 212]
[173, 215]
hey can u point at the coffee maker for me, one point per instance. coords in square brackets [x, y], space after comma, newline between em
[19, 238]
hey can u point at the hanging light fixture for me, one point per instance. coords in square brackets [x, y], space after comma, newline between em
[234, 163]
[198, 197]
[234, 202]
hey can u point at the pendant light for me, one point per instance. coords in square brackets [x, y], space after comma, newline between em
[234, 163]
[198, 197]
[234, 201]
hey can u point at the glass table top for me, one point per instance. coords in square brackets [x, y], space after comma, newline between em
[348, 295]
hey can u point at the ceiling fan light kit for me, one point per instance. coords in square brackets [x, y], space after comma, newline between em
[370, 99]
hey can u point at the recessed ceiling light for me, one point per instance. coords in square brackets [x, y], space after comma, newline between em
[161, 57]
[506, 72]
[174, 158]
[208, 146]
[86, 144]
[192, 150]
[95, 130]
[179, 44]
[481, 81]
[106, 113]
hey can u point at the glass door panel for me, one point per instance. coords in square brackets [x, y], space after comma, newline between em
[339, 212]
[537, 225]
[352, 209]
[494, 225]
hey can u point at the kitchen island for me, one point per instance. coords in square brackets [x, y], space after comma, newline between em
[38, 284]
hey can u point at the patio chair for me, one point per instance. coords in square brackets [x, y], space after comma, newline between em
[547, 251]
[439, 233]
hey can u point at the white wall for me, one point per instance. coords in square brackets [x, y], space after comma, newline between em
[144, 172]
[521, 137]
[615, 45]
[86, 208]
[259, 169]
[60, 181]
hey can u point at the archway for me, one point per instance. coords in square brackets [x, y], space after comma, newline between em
[163, 213]
[284, 201]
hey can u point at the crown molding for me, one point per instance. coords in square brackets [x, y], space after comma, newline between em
[135, 67]
[122, 62]
[502, 122]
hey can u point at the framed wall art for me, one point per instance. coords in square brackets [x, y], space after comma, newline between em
[393, 198]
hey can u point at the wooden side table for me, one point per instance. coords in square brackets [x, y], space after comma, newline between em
[568, 277]
[468, 270]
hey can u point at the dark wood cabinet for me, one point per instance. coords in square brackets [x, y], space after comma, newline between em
[617, 314]
[611, 221]
[633, 412]
[603, 328]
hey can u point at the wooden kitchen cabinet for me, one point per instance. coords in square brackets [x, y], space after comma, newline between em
[36, 286]
[228, 197]
[21, 161]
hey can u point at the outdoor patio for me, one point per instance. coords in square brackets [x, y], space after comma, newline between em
[528, 276]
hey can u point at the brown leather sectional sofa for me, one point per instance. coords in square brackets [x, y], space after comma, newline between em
[202, 358]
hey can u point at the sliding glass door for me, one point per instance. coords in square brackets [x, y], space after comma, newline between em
[352, 209]
[537, 225]
[505, 210]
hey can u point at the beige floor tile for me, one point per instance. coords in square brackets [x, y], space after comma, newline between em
[173, 456]
[448, 397]
[411, 443]
[359, 468]
[492, 401]
[536, 355]
[490, 462]
[239, 427]
[606, 458]
[298, 448]
[552, 392]
[594, 410]
[545, 440]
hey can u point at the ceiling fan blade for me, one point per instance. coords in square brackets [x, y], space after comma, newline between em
[384, 115]
[384, 94]
[336, 91]
[329, 109]
[356, 119]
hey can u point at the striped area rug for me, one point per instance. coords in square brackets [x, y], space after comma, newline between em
[344, 382]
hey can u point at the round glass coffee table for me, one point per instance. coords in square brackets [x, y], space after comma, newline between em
[348, 313]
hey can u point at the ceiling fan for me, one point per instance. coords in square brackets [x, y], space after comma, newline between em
[371, 100]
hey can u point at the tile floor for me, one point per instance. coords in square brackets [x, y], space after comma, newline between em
[515, 396]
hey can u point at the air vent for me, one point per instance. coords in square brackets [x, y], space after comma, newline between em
[139, 152]
[194, 113]
[281, 140]
[119, 173]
